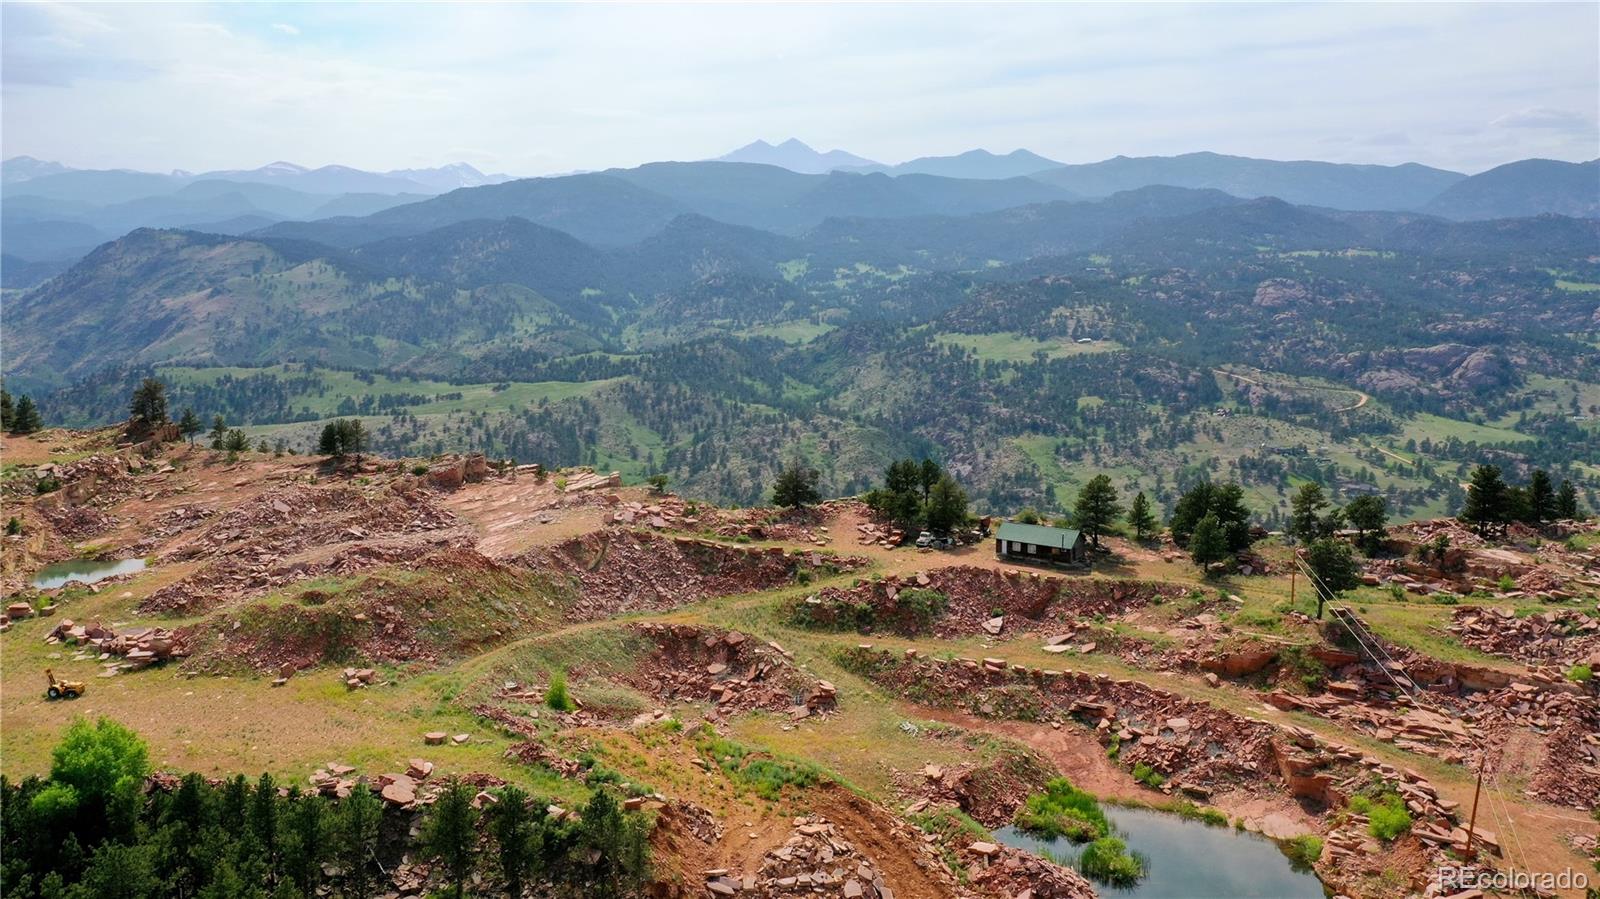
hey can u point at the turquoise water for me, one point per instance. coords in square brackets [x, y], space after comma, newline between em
[1188, 860]
[85, 571]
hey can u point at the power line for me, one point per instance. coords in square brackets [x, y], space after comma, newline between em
[1362, 635]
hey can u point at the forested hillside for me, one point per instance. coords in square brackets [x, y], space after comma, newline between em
[648, 320]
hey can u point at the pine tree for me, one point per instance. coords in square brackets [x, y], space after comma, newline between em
[1305, 515]
[1208, 544]
[1541, 497]
[1141, 517]
[1367, 514]
[25, 418]
[149, 402]
[264, 816]
[359, 817]
[219, 431]
[516, 836]
[1567, 501]
[1487, 504]
[947, 505]
[1334, 567]
[796, 486]
[1097, 508]
[7, 409]
[188, 425]
[305, 842]
[449, 834]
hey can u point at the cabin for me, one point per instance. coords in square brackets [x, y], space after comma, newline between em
[1039, 544]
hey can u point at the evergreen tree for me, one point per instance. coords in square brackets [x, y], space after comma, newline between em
[1142, 517]
[1306, 521]
[188, 425]
[219, 432]
[1367, 514]
[796, 486]
[1541, 497]
[149, 402]
[305, 843]
[264, 817]
[236, 442]
[449, 835]
[517, 835]
[946, 506]
[347, 436]
[7, 409]
[1487, 506]
[928, 474]
[612, 849]
[25, 418]
[359, 817]
[1097, 508]
[117, 871]
[1224, 503]
[1334, 567]
[1567, 501]
[1208, 544]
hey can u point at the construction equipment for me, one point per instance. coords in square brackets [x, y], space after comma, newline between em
[59, 689]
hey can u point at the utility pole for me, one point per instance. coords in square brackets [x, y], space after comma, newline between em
[1472, 822]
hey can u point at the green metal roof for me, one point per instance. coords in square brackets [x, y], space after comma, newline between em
[1037, 534]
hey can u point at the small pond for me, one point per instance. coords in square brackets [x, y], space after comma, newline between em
[84, 571]
[1188, 859]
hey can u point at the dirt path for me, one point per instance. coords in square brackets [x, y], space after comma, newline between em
[1361, 398]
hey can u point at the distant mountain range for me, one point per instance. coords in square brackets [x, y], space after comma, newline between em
[52, 179]
[53, 215]
[971, 164]
[795, 156]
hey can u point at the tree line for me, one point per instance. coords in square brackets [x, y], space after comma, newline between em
[93, 830]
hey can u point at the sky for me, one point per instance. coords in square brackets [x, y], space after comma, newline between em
[539, 89]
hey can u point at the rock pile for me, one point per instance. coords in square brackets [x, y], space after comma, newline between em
[982, 600]
[246, 547]
[732, 670]
[816, 860]
[1006, 871]
[134, 649]
[621, 571]
[1564, 637]
[1195, 745]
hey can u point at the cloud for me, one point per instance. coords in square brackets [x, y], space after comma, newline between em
[1544, 117]
[541, 88]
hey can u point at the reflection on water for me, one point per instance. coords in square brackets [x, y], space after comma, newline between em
[1188, 859]
[85, 571]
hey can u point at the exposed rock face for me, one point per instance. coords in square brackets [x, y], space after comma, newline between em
[1275, 293]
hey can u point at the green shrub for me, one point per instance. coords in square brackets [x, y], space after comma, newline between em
[1303, 851]
[764, 775]
[1506, 583]
[1147, 775]
[556, 696]
[1203, 813]
[1387, 817]
[1063, 810]
[1580, 674]
[1108, 861]
[46, 485]
[419, 470]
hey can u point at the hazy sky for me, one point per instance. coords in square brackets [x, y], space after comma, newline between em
[537, 89]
